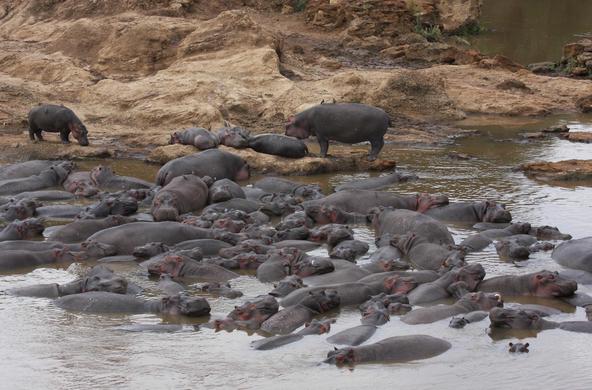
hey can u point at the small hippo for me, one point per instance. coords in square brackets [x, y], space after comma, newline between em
[518, 347]
[278, 145]
[344, 122]
[56, 119]
[196, 136]
[235, 137]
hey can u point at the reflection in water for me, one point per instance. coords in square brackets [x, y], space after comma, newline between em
[45, 347]
[531, 31]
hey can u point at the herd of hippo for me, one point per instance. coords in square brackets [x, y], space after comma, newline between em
[195, 223]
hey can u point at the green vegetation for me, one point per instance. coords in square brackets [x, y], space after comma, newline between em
[300, 5]
[471, 29]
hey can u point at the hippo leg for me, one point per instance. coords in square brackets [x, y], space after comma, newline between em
[375, 148]
[38, 134]
[324, 144]
[65, 136]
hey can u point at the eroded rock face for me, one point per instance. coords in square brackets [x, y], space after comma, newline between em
[559, 171]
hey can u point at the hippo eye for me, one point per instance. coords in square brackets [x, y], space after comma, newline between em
[498, 297]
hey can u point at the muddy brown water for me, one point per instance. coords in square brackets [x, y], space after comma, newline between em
[46, 347]
[531, 31]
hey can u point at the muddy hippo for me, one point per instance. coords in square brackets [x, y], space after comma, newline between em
[376, 183]
[215, 163]
[278, 145]
[471, 212]
[544, 283]
[398, 349]
[107, 302]
[81, 229]
[287, 320]
[575, 254]
[56, 119]
[53, 176]
[235, 137]
[22, 230]
[468, 303]
[19, 209]
[398, 222]
[199, 137]
[223, 190]
[128, 236]
[183, 194]
[18, 259]
[343, 122]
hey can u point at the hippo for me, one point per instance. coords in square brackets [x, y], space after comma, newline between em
[332, 234]
[56, 211]
[18, 259]
[183, 194]
[344, 272]
[285, 186]
[291, 261]
[44, 195]
[471, 212]
[35, 246]
[353, 336]
[107, 302]
[377, 183]
[103, 177]
[286, 286]
[425, 255]
[310, 328]
[26, 168]
[397, 222]
[199, 137]
[19, 209]
[349, 123]
[22, 230]
[168, 286]
[278, 145]
[56, 119]
[363, 201]
[98, 278]
[130, 235]
[249, 315]
[461, 322]
[398, 349]
[223, 190]
[548, 233]
[181, 266]
[512, 250]
[328, 214]
[81, 184]
[208, 246]
[112, 204]
[576, 254]
[518, 347]
[349, 250]
[221, 290]
[53, 176]
[217, 164]
[81, 229]
[481, 240]
[287, 320]
[235, 137]
[544, 284]
[532, 320]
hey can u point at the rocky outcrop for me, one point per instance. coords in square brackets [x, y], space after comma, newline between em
[575, 62]
[568, 170]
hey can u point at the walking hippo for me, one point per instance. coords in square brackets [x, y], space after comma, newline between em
[199, 137]
[22, 230]
[107, 302]
[471, 212]
[56, 119]
[468, 303]
[398, 349]
[575, 254]
[235, 137]
[223, 190]
[349, 123]
[81, 229]
[377, 183]
[215, 163]
[183, 194]
[544, 283]
[53, 176]
[398, 222]
[278, 145]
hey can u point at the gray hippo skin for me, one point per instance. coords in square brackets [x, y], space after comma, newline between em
[82, 229]
[26, 169]
[180, 266]
[103, 177]
[398, 349]
[530, 319]
[376, 183]
[343, 122]
[44, 195]
[107, 302]
[353, 336]
[223, 190]
[112, 204]
[196, 136]
[285, 186]
[479, 241]
[53, 176]
[471, 212]
[19, 209]
[56, 119]
[544, 284]
[235, 137]
[311, 328]
[468, 303]
[18, 259]
[56, 211]
[128, 236]
[215, 163]
[399, 222]
[182, 195]
[22, 230]
[208, 246]
[575, 254]
[278, 145]
[424, 255]
[362, 201]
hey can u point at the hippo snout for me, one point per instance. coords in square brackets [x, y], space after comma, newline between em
[165, 214]
[83, 142]
[565, 288]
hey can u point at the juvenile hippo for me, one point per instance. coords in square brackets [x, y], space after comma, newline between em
[471, 212]
[183, 194]
[544, 283]
[376, 183]
[398, 349]
[53, 176]
[278, 145]
[575, 254]
[56, 119]
[107, 302]
[343, 122]
[235, 137]
[215, 163]
[196, 136]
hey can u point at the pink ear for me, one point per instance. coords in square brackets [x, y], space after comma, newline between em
[291, 119]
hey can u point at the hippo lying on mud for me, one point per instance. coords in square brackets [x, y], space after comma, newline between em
[196, 136]
[349, 123]
[56, 119]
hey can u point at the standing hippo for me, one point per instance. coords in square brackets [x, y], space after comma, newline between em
[56, 119]
[398, 349]
[575, 254]
[471, 212]
[343, 122]
[196, 136]
[182, 195]
[215, 163]
[278, 145]
[544, 284]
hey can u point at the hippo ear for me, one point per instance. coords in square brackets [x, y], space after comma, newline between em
[526, 345]
[306, 324]
[511, 344]
[335, 349]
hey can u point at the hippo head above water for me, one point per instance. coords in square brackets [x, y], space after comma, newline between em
[298, 128]
[341, 357]
[515, 319]
[471, 275]
[101, 174]
[28, 228]
[399, 285]
[101, 278]
[164, 207]
[490, 211]
[321, 301]
[427, 201]
[92, 249]
[482, 301]
[326, 214]
[260, 309]
[286, 286]
[170, 264]
[308, 266]
[149, 250]
[20, 209]
[182, 304]
[551, 284]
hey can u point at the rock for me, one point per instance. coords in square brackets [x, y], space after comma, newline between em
[534, 135]
[556, 129]
[460, 156]
[542, 67]
[455, 15]
[584, 103]
[567, 170]
[511, 84]
[579, 136]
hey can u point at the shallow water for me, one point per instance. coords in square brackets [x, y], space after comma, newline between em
[46, 347]
[531, 31]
